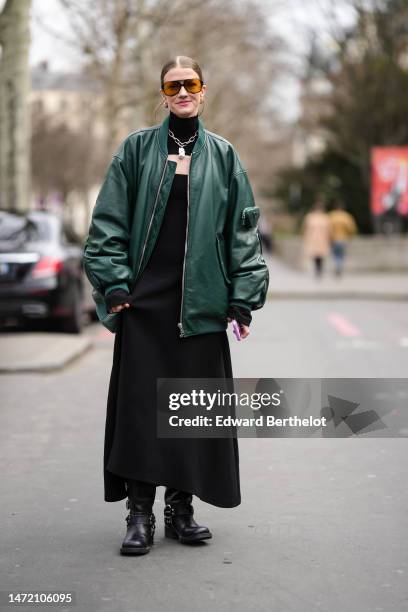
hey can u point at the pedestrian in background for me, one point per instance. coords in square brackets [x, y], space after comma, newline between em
[342, 228]
[316, 236]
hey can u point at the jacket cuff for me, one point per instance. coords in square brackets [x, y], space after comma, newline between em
[116, 298]
[124, 286]
[240, 313]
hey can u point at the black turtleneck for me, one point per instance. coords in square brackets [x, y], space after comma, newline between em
[183, 128]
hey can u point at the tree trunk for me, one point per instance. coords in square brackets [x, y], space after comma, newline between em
[14, 106]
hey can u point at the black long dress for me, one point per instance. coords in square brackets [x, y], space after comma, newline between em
[147, 345]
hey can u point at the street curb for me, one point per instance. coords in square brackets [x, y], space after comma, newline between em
[32, 352]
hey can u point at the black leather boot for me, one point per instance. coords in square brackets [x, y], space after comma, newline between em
[179, 523]
[141, 522]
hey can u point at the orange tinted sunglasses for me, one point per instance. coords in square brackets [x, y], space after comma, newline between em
[171, 88]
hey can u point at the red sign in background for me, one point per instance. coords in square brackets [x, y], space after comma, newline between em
[389, 180]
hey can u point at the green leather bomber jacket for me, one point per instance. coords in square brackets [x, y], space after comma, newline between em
[223, 262]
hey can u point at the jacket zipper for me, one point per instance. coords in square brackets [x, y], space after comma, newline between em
[150, 223]
[180, 324]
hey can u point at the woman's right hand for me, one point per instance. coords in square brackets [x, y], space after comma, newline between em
[119, 308]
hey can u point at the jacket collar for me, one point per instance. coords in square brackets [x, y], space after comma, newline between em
[163, 135]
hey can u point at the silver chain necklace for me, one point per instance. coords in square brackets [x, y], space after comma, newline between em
[182, 152]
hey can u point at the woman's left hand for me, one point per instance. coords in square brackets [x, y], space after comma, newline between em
[244, 329]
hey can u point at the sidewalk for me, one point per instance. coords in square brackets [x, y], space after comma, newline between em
[289, 283]
[39, 352]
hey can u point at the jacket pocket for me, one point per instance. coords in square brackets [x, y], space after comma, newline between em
[250, 216]
[222, 256]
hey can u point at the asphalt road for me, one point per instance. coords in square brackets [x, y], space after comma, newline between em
[323, 522]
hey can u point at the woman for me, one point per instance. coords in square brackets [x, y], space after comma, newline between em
[173, 255]
[316, 236]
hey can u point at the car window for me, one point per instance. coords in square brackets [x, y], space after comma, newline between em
[42, 231]
[16, 231]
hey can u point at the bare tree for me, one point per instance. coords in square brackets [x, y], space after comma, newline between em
[114, 35]
[65, 160]
[14, 105]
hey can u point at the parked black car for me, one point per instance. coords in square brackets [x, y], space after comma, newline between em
[41, 272]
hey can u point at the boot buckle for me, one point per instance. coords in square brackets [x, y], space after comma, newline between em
[178, 509]
[151, 519]
[169, 512]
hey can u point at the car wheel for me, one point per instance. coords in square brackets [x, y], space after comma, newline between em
[74, 323]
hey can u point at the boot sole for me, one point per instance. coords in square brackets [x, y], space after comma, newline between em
[170, 533]
[134, 551]
[131, 550]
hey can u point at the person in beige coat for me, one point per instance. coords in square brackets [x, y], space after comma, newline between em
[316, 236]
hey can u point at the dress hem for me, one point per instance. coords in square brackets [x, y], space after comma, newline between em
[160, 483]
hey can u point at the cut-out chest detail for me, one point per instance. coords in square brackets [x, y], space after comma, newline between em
[183, 165]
